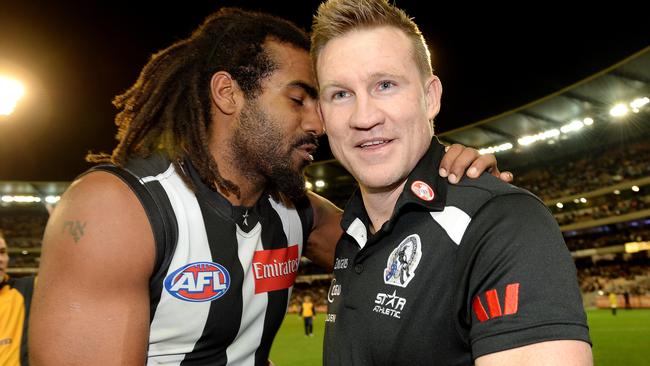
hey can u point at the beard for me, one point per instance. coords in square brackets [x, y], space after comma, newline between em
[264, 155]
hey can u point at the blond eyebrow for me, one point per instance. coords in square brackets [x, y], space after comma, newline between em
[375, 75]
[380, 75]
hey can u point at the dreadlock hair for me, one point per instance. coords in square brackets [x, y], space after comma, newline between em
[168, 109]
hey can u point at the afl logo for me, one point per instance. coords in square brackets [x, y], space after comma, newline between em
[198, 282]
[422, 190]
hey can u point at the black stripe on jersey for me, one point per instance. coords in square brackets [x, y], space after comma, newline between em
[224, 317]
[273, 237]
[165, 246]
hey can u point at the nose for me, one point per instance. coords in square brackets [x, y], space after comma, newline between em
[365, 114]
[311, 121]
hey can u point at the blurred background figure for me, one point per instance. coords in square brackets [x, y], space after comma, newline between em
[613, 302]
[15, 298]
[307, 312]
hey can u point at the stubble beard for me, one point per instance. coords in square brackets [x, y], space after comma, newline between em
[261, 154]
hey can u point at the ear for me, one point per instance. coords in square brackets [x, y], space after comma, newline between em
[224, 92]
[433, 90]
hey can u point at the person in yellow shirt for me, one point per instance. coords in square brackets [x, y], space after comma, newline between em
[15, 298]
[613, 302]
[307, 312]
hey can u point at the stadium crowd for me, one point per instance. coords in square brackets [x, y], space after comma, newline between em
[616, 277]
[579, 174]
[614, 205]
[605, 236]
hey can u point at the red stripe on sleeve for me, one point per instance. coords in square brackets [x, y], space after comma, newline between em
[512, 298]
[479, 310]
[493, 303]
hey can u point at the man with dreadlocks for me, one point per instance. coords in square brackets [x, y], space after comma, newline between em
[183, 247]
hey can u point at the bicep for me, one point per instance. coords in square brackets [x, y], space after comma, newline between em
[325, 233]
[91, 301]
[563, 352]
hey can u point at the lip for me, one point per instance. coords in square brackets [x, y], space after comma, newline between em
[374, 143]
[307, 150]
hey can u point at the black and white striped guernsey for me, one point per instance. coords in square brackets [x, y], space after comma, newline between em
[223, 275]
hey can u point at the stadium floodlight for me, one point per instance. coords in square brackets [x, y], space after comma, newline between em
[637, 103]
[308, 184]
[20, 199]
[320, 183]
[527, 140]
[588, 121]
[635, 188]
[496, 148]
[52, 199]
[619, 110]
[583, 200]
[616, 191]
[559, 205]
[10, 93]
[573, 126]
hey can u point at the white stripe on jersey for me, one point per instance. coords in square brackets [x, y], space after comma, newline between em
[165, 347]
[454, 221]
[242, 350]
[357, 230]
[292, 227]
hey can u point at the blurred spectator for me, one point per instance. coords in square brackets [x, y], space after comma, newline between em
[15, 299]
[613, 302]
[307, 312]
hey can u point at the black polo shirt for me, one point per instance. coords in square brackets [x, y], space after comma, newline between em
[459, 271]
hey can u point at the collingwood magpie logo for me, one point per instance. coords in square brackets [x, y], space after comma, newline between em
[402, 262]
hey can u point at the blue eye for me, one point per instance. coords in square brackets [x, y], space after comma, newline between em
[340, 95]
[383, 85]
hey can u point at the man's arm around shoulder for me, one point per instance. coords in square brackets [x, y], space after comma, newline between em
[91, 303]
[325, 233]
[551, 353]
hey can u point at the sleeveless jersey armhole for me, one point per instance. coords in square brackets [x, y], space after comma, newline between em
[163, 231]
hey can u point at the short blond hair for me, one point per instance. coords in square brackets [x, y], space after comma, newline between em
[338, 17]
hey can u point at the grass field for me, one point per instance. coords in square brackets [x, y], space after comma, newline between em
[623, 339]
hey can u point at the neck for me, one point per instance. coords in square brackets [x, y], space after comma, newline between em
[249, 193]
[251, 184]
[380, 204]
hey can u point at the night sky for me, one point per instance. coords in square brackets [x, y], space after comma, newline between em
[75, 57]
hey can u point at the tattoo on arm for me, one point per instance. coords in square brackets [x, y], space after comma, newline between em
[75, 228]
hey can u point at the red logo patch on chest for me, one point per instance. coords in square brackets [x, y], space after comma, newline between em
[422, 190]
[275, 269]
